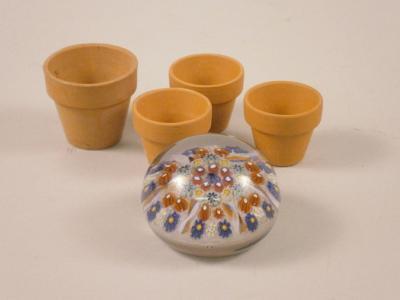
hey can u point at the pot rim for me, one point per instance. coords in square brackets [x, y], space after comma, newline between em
[282, 116]
[171, 124]
[204, 86]
[130, 71]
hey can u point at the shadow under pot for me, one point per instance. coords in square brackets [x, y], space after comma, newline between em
[282, 115]
[218, 77]
[164, 116]
[91, 85]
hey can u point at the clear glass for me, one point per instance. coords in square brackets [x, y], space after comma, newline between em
[211, 195]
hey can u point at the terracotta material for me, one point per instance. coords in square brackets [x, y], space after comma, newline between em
[164, 116]
[216, 76]
[283, 115]
[91, 85]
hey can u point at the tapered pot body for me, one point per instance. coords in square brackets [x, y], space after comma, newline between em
[164, 116]
[218, 77]
[282, 115]
[91, 85]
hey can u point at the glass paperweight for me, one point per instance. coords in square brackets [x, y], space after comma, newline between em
[210, 195]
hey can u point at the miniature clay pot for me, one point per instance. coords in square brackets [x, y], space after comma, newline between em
[282, 115]
[211, 195]
[91, 85]
[216, 76]
[164, 116]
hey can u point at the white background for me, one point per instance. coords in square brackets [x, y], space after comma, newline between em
[71, 223]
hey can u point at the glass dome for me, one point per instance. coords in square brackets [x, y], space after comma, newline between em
[210, 195]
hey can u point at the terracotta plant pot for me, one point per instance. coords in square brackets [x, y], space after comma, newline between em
[283, 115]
[164, 116]
[216, 76]
[91, 85]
